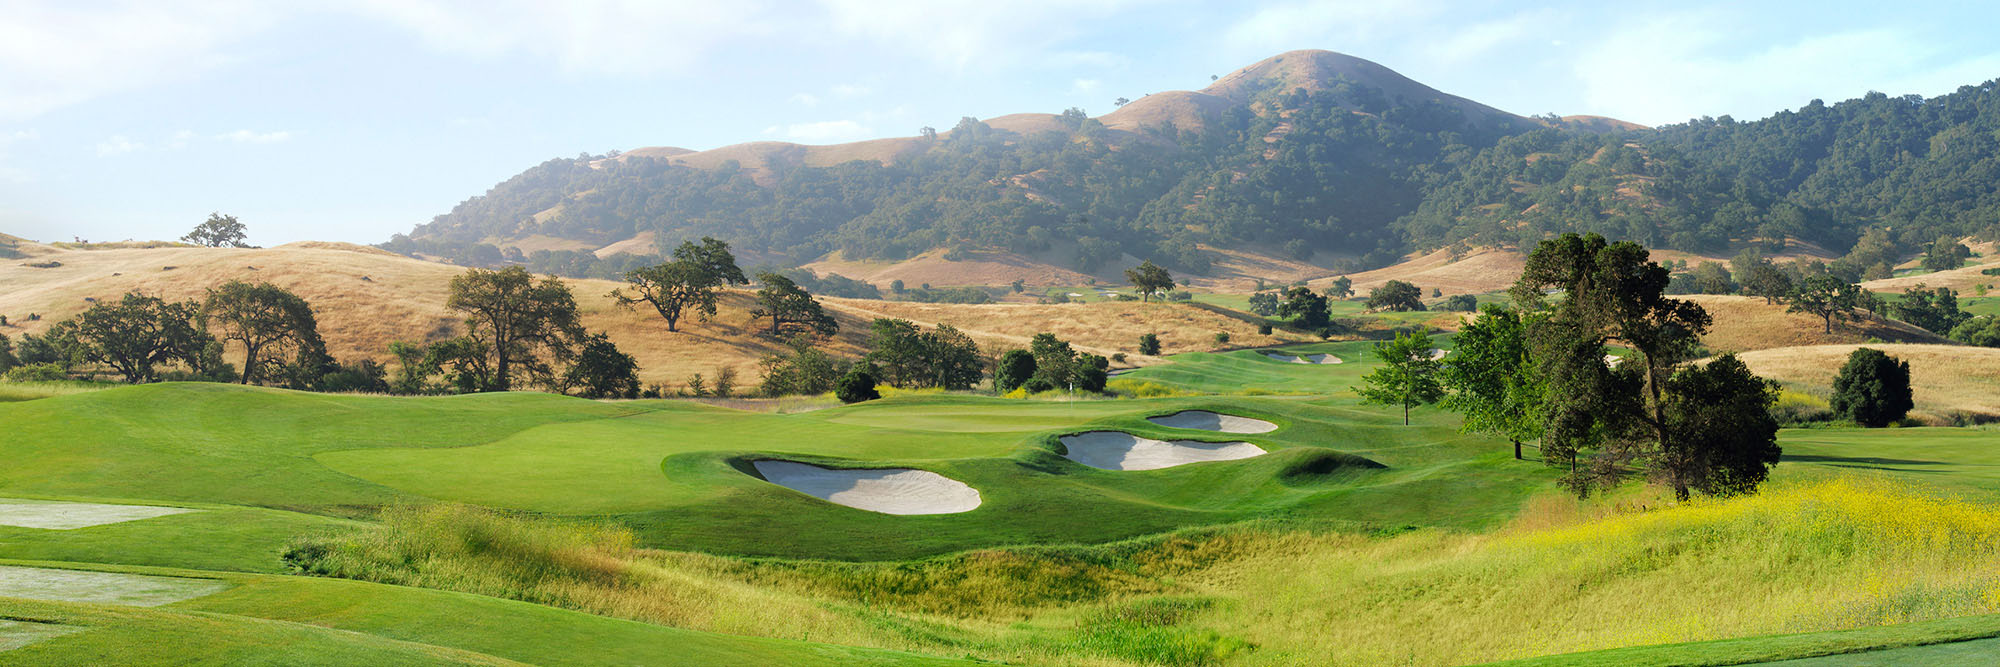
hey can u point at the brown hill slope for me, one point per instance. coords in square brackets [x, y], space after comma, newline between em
[1943, 378]
[365, 298]
[1744, 323]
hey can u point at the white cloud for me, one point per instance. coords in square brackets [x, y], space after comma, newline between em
[250, 137]
[1673, 68]
[959, 34]
[54, 54]
[584, 36]
[1082, 86]
[828, 132]
[1331, 24]
[118, 144]
[1479, 40]
[805, 99]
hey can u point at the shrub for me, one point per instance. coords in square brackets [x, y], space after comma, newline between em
[43, 372]
[856, 386]
[1461, 303]
[1264, 329]
[1873, 389]
[1149, 344]
[1118, 357]
[1221, 338]
[1014, 369]
[1038, 385]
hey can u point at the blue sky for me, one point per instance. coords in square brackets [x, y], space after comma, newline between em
[353, 121]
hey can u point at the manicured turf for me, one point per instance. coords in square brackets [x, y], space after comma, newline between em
[1952, 459]
[1249, 370]
[294, 620]
[677, 472]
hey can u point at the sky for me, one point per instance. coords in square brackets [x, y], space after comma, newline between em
[356, 120]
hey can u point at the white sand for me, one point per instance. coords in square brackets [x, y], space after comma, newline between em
[1612, 360]
[65, 516]
[1213, 421]
[885, 490]
[1437, 353]
[16, 634]
[1308, 359]
[138, 590]
[1112, 450]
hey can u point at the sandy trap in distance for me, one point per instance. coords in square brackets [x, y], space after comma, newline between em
[138, 590]
[1114, 450]
[65, 516]
[1307, 359]
[1213, 421]
[885, 490]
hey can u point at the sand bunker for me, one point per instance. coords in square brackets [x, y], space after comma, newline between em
[1113, 450]
[64, 516]
[1213, 421]
[1307, 359]
[1437, 353]
[885, 490]
[138, 590]
[16, 634]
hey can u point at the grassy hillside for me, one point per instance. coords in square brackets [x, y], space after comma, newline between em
[365, 298]
[1744, 323]
[1945, 379]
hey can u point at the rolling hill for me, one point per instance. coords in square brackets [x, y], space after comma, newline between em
[1306, 165]
[366, 298]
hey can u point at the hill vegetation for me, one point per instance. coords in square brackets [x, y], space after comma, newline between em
[1309, 153]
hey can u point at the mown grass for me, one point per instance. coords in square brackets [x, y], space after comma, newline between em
[309, 621]
[674, 471]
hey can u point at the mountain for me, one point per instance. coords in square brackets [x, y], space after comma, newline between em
[1310, 164]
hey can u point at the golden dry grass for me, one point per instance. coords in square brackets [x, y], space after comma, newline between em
[1104, 328]
[1744, 323]
[365, 298]
[1943, 378]
[1961, 279]
[978, 268]
[1478, 272]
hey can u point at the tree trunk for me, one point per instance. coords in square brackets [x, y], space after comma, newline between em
[1829, 322]
[1406, 413]
[249, 361]
[1517, 449]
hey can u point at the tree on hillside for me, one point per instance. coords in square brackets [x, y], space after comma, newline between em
[1492, 380]
[1873, 389]
[907, 356]
[689, 281]
[1055, 360]
[1712, 278]
[599, 369]
[7, 359]
[135, 335]
[1149, 343]
[1945, 254]
[1306, 309]
[1935, 310]
[264, 318]
[1150, 279]
[1264, 303]
[1720, 436]
[1983, 331]
[1408, 376]
[1015, 368]
[1341, 288]
[217, 232]
[790, 308]
[1827, 297]
[1767, 280]
[801, 368]
[1610, 291]
[515, 318]
[1396, 296]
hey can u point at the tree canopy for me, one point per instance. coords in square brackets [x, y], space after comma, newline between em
[218, 231]
[264, 318]
[515, 318]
